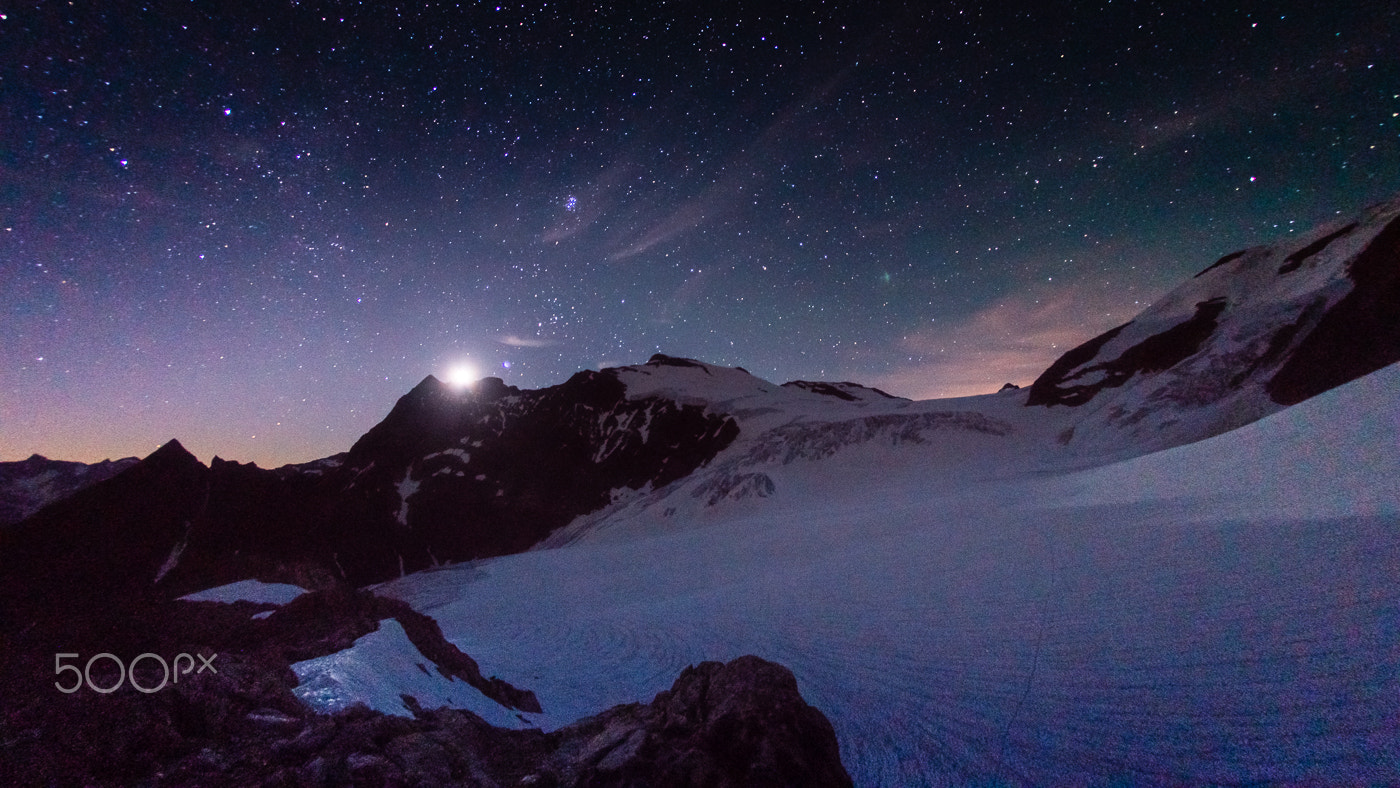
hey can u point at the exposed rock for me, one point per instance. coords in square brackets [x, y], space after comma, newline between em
[1045, 390]
[237, 723]
[851, 392]
[1231, 257]
[663, 360]
[737, 724]
[1357, 336]
[1060, 384]
[1295, 261]
[722, 725]
[740, 724]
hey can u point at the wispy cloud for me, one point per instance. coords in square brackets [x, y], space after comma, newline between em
[515, 341]
[713, 202]
[1242, 101]
[1012, 341]
[738, 178]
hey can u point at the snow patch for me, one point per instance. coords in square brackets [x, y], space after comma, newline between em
[460, 454]
[248, 591]
[173, 560]
[407, 487]
[380, 667]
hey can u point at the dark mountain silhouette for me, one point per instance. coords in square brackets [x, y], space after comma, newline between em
[31, 484]
[446, 476]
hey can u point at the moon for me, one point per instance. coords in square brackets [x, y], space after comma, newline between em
[461, 376]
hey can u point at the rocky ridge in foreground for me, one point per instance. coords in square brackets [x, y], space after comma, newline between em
[240, 724]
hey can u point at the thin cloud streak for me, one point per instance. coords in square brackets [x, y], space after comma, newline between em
[515, 341]
[737, 178]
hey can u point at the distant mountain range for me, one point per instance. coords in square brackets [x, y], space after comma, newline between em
[29, 485]
[452, 475]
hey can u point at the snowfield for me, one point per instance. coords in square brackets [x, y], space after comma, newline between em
[968, 602]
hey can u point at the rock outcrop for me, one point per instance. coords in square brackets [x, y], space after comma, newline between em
[736, 724]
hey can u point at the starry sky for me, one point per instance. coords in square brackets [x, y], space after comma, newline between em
[252, 226]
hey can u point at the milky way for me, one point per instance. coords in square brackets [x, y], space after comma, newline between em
[253, 226]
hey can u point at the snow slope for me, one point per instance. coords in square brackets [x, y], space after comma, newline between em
[1027, 627]
[787, 431]
[1318, 461]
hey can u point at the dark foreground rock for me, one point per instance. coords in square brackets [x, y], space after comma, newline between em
[737, 724]
[740, 724]
[240, 724]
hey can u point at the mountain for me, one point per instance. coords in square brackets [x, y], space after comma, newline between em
[459, 474]
[102, 547]
[1258, 330]
[446, 476]
[29, 485]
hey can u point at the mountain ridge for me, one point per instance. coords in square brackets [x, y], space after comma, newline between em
[457, 473]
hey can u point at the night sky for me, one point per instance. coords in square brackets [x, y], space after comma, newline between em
[252, 226]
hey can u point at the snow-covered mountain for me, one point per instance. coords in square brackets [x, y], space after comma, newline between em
[1172, 559]
[1258, 330]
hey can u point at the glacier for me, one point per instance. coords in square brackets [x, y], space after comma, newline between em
[975, 607]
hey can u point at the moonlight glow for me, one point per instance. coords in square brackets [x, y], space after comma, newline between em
[462, 375]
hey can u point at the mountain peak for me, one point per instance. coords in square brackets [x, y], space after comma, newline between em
[486, 389]
[171, 450]
[663, 360]
[429, 383]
